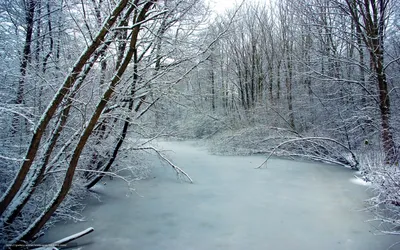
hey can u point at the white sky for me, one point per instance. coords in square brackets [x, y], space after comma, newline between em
[221, 5]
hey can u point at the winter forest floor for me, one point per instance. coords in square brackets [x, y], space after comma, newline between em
[231, 205]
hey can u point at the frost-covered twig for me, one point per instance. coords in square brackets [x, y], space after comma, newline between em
[64, 241]
[178, 170]
[74, 236]
[111, 174]
[311, 139]
[385, 205]
[152, 138]
[10, 159]
[20, 114]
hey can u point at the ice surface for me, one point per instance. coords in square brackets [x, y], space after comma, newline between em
[231, 205]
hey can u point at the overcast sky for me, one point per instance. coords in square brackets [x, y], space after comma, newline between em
[221, 5]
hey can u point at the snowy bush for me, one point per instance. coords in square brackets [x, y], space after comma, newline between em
[199, 126]
[283, 142]
[385, 183]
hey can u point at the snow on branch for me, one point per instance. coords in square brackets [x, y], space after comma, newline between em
[74, 236]
[105, 173]
[179, 171]
[64, 241]
[4, 109]
[142, 22]
[10, 159]
[312, 139]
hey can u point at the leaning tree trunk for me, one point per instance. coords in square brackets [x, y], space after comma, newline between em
[37, 177]
[54, 104]
[128, 118]
[37, 225]
[124, 129]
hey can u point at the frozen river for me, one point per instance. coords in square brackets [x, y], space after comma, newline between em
[231, 205]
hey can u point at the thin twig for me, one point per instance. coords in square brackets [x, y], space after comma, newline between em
[178, 170]
[309, 139]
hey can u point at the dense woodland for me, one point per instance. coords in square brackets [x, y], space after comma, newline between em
[86, 85]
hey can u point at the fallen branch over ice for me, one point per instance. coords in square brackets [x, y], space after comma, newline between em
[178, 170]
[66, 240]
[312, 141]
[74, 236]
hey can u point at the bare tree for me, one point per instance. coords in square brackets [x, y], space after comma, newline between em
[15, 186]
[370, 19]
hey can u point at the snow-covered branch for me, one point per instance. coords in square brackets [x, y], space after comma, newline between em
[311, 139]
[178, 170]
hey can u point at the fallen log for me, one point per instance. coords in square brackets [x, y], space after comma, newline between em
[64, 241]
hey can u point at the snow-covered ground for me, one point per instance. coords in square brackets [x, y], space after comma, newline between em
[231, 205]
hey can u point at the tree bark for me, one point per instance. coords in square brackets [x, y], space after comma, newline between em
[51, 109]
[26, 57]
[128, 118]
[43, 218]
[369, 18]
[38, 175]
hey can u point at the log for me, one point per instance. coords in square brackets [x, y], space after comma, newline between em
[66, 240]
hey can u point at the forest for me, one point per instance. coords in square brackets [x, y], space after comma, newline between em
[86, 85]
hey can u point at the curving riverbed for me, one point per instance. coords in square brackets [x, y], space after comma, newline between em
[231, 205]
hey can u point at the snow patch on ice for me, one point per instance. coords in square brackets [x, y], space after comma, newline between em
[98, 187]
[357, 180]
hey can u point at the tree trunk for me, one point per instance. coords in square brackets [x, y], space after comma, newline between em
[38, 175]
[384, 107]
[369, 18]
[26, 57]
[127, 122]
[43, 218]
[212, 81]
[51, 109]
[289, 83]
